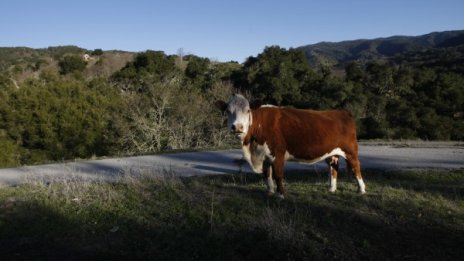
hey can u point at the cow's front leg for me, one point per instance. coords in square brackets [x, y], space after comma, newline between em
[279, 176]
[267, 171]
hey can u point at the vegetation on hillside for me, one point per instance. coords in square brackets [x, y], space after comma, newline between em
[56, 106]
[147, 106]
[54, 118]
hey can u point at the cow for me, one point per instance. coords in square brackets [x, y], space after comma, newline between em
[271, 135]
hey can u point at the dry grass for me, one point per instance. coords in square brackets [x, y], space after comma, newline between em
[415, 215]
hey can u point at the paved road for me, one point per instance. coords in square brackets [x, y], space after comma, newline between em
[381, 157]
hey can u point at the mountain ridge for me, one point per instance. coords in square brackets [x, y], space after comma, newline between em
[339, 53]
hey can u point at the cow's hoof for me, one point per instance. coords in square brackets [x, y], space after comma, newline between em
[332, 190]
[239, 162]
[270, 194]
[279, 196]
[361, 192]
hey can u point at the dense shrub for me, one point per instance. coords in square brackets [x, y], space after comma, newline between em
[71, 63]
[54, 119]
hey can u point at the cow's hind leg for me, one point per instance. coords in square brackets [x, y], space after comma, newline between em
[333, 172]
[355, 166]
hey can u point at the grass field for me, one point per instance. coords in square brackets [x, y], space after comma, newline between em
[404, 216]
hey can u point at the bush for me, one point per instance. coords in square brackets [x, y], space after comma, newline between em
[9, 153]
[171, 115]
[97, 52]
[59, 119]
[71, 63]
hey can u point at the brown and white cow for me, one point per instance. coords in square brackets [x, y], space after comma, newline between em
[270, 135]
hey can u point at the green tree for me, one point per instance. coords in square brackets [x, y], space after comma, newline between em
[197, 71]
[10, 152]
[71, 63]
[97, 52]
[354, 72]
[197, 67]
[277, 75]
[403, 119]
[155, 63]
[147, 68]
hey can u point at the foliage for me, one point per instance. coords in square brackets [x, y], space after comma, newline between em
[276, 75]
[10, 152]
[97, 52]
[71, 63]
[148, 106]
[197, 67]
[54, 119]
[153, 63]
[169, 116]
[202, 73]
[168, 109]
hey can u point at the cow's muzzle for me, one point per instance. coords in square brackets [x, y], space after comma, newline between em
[237, 128]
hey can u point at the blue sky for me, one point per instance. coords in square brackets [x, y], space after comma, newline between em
[220, 30]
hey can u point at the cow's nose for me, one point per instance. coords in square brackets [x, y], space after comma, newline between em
[237, 127]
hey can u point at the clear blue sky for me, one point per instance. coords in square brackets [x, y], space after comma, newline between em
[221, 30]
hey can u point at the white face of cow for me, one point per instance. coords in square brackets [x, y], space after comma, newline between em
[238, 114]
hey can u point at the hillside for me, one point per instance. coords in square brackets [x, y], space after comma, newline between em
[340, 53]
[22, 63]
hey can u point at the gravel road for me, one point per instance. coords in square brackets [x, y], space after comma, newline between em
[381, 157]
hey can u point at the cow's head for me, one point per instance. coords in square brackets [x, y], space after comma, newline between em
[239, 117]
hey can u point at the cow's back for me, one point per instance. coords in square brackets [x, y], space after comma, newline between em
[308, 134]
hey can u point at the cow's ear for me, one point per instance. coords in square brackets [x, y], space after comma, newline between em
[255, 105]
[221, 105]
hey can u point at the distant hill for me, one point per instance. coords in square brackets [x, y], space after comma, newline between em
[340, 53]
[22, 63]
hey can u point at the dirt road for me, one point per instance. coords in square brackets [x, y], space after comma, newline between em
[382, 157]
